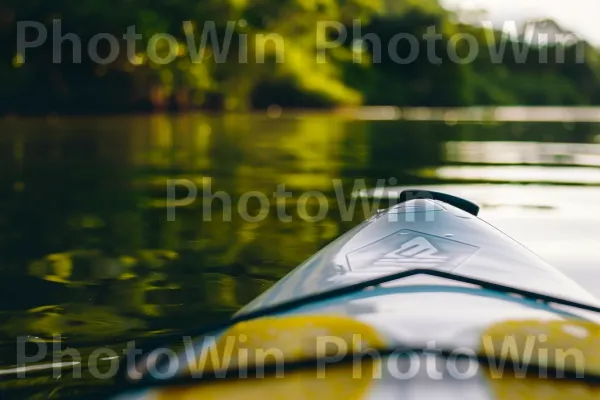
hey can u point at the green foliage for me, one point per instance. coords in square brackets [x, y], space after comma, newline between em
[265, 52]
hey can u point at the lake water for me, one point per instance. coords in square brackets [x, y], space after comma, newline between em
[89, 250]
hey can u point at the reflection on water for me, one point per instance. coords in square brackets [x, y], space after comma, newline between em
[86, 249]
[485, 152]
[531, 174]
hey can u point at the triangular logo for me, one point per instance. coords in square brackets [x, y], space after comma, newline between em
[416, 252]
[408, 249]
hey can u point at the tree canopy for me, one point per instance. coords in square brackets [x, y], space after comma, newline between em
[239, 55]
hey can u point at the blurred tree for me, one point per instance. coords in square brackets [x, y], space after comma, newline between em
[238, 54]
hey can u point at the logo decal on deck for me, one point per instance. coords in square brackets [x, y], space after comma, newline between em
[408, 249]
[417, 252]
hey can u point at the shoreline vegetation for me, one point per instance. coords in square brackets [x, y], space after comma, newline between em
[448, 115]
[313, 56]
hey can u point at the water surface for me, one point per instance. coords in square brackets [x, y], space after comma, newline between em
[88, 251]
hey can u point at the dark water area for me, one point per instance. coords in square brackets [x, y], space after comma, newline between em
[89, 251]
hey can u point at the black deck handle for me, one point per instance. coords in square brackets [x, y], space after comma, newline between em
[463, 204]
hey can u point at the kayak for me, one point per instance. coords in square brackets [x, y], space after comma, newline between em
[424, 300]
